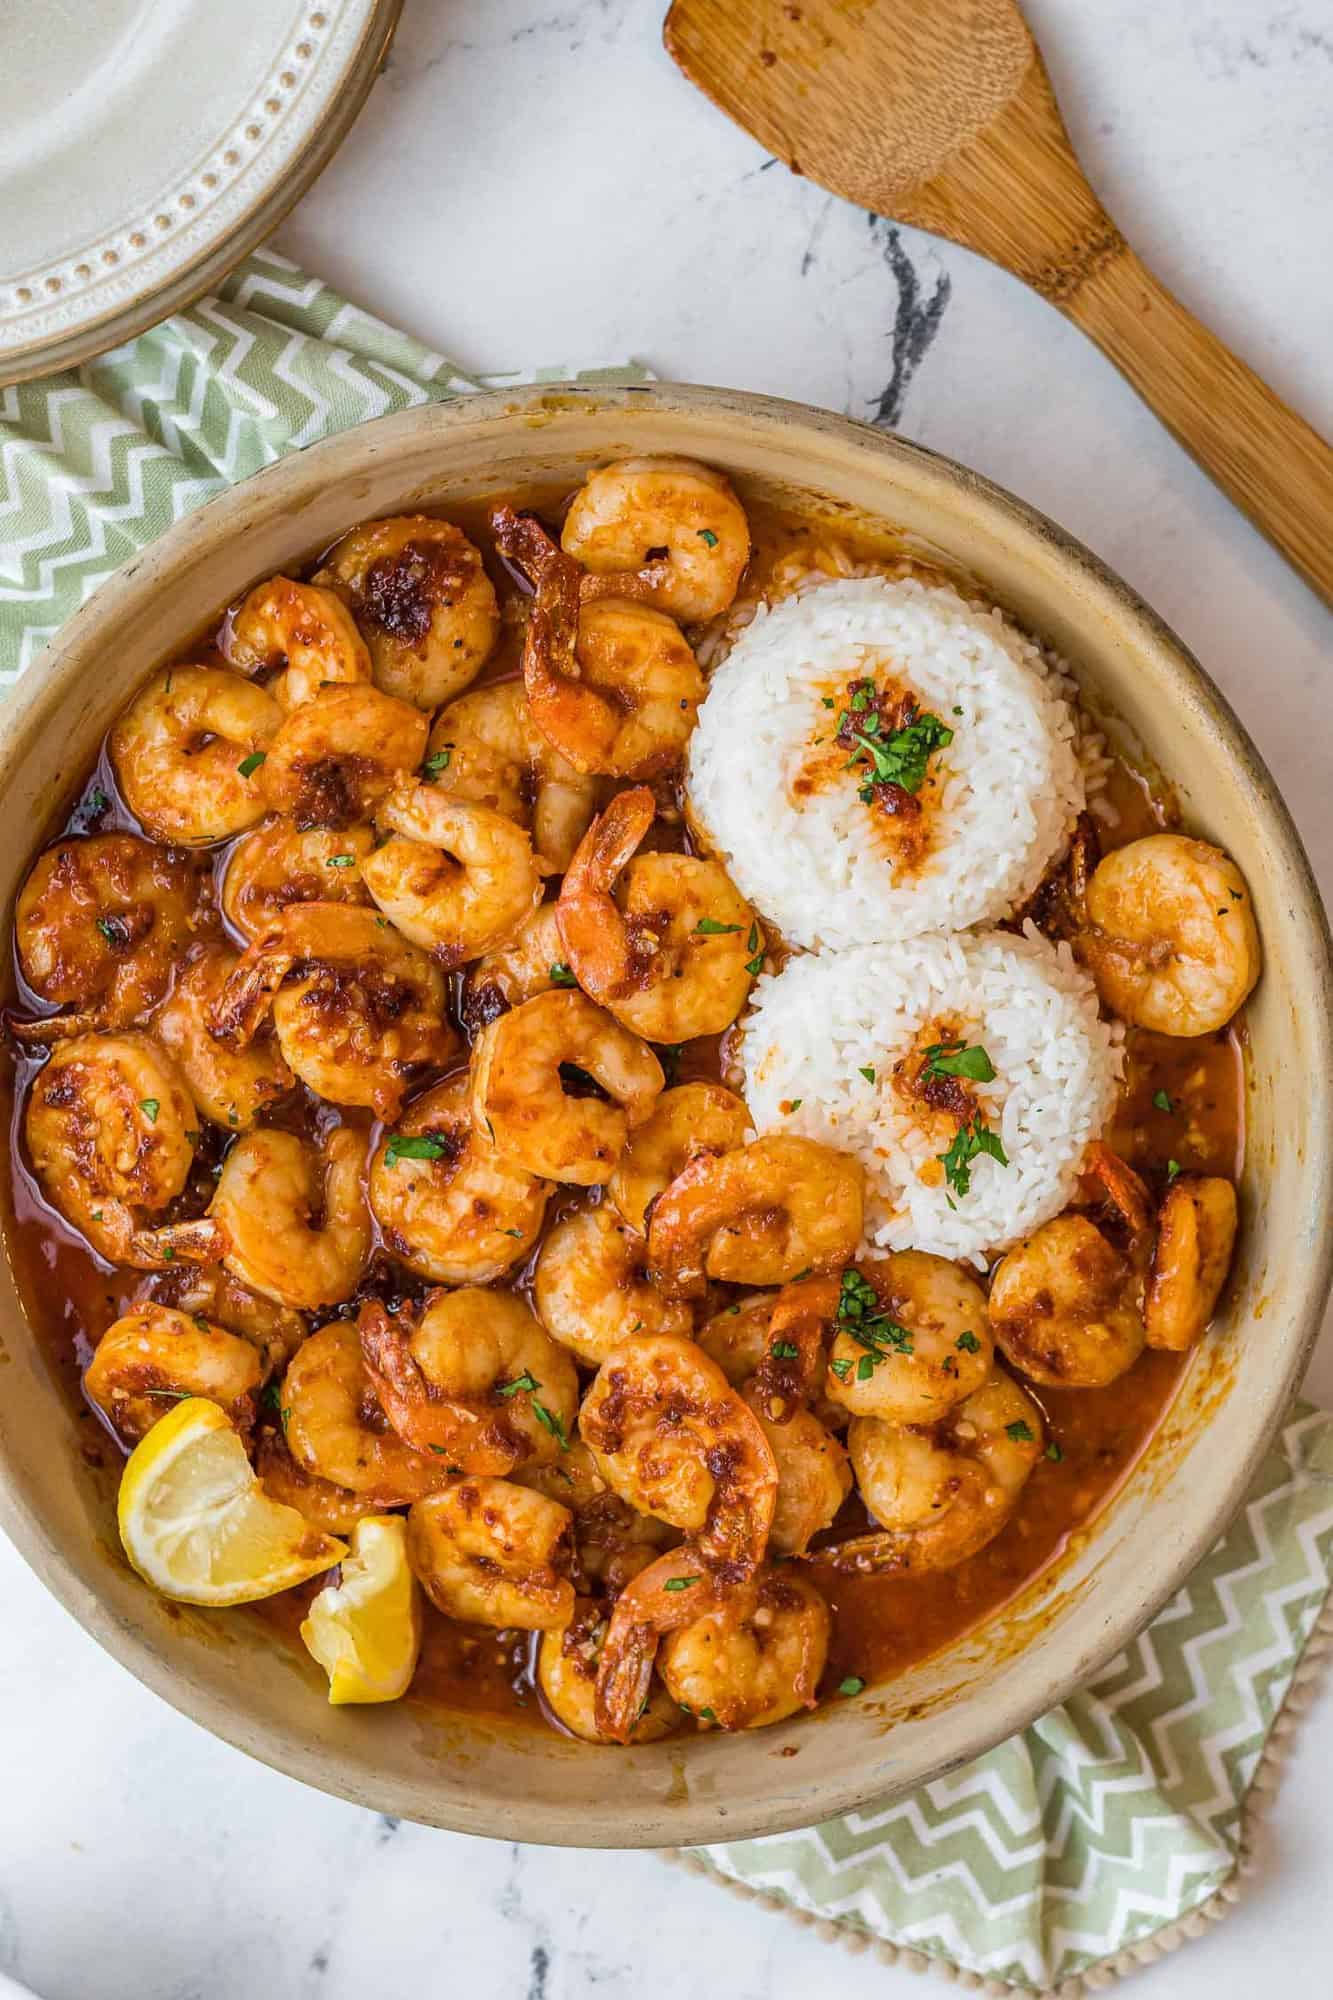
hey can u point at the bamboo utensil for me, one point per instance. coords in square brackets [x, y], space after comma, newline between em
[940, 113]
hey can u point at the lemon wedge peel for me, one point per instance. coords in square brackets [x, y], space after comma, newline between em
[197, 1524]
[365, 1630]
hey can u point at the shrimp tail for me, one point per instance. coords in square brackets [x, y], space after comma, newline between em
[242, 1006]
[201, 1241]
[789, 1375]
[1127, 1194]
[57, 1027]
[879, 1554]
[651, 1605]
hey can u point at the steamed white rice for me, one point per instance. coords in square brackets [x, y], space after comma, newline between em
[826, 1018]
[1010, 783]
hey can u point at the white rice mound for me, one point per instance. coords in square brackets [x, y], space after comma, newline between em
[817, 1024]
[1011, 783]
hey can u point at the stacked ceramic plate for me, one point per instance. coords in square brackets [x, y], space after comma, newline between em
[146, 145]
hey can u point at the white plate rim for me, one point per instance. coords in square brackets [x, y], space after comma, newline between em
[243, 183]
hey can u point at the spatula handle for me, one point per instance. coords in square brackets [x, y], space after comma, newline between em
[1275, 468]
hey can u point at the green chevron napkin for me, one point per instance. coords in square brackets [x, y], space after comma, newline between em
[1116, 1826]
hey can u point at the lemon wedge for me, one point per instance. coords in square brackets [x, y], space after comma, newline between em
[197, 1524]
[366, 1630]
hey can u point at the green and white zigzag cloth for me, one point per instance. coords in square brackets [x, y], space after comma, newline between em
[1115, 1826]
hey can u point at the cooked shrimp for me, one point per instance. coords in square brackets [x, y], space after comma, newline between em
[336, 756]
[152, 1357]
[475, 1379]
[301, 628]
[615, 688]
[319, 1501]
[911, 1339]
[110, 1127]
[1065, 1306]
[189, 751]
[737, 1337]
[449, 1206]
[532, 962]
[486, 748]
[211, 1290]
[295, 1217]
[739, 1655]
[755, 1657]
[519, 1089]
[363, 1012]
[667, 530]
[662, 941]
[940, 1494]
[280, 864]
[336, 1430]
[814, 1477]
[692, 1118]
[100, 924]
[1172, 942]
[567, 1676]
[230, 1086]
[493, 1553]
[612, 1541]
[675, 1440]
[592, 1290]
[423, 600]
[457, 879]
[757, 1216]
[1196, 1234]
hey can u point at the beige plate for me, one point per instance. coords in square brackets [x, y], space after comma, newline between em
[147, 145]
[223, 1668]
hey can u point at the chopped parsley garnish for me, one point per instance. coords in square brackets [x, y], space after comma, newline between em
[853, 1684]
[1053, 1452]
[561, 974]
[752, 942]
[176, 1395]
[968, 1343]
[901, 756]
[971, 1140]
[549, 1421]
[517, 1234]
[710, 927]
[150, 1106]
[97, 802]
[755, 966]
[784, 1350]
[707, 536]
[1020, 1432]
[680, 1582]
[868, 1072]
[860, 1316]
[111, 930]
[524, 1381]
[960, 1059]
[707, 1715]
[342, 861]
[842, 1369]
[827, 700]
[437, 761]
[792, 1104]
[1162, 1101]
[1172, 1170]
[249, 765]
[412, 1146]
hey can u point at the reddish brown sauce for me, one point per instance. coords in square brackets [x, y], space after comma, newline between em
[882, 1624]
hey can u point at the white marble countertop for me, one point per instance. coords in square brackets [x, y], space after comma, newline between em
[532, 182]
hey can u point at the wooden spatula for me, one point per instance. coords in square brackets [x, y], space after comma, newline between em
[940, 113]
